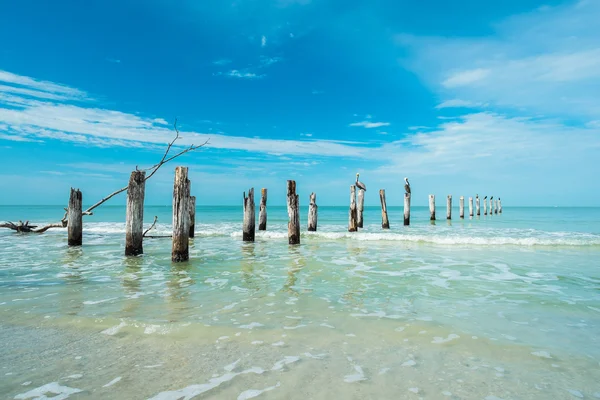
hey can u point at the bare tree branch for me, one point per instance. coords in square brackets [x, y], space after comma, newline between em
[63, 222]
[151, 226]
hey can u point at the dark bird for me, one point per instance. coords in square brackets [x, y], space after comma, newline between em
[485, 198]
[359, 184]
[406, 185]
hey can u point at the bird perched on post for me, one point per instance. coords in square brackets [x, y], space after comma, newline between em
[406, 185]
[359, 184]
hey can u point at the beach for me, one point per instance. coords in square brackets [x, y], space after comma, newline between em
[494, 307]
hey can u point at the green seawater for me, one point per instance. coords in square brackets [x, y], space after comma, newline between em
[491, 307]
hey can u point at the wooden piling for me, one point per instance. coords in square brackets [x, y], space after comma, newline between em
[312, 213]
[432, 207]
[134, 218]
[360, 208]
[461, 207]
[75, 218]
[470, 207]
[385, 223]
[496, 206]
[406, 209]
[484, 206]
[352, 226]
[491, 210]
[192, 216]
[262, 216]
[181, 216]
[477, 205]
[293, 204]
[499, 206]
[249, 217]
[449, 207]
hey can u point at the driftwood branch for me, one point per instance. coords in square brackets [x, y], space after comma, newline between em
[25, 227]
[151, 226]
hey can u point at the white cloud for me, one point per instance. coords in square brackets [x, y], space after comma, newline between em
[222, 61]
[463, 78]
[266, 61]
[458, 103]
[263, 41]
[113, 60]
[369, 124]
[242, 74]
[42, 86]
[545, 61]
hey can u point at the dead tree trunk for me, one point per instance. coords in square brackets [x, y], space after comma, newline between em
[461, 207]
[192, 216]
[361, 208]
[406, 209]
[477, 206]
[432, 207]
[385, 223]
[352, 225]
[449, 207]
[262, 217]
[181, 215]
[134, 220]
[249, 217]
[293, 214]
[75, 225]
[470, 206]
[312, 213]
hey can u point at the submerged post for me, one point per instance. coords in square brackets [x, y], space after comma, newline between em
[491, 210]
[352, 227]
[134, 219]
[484, 206]
[75, 218]
[477, 205]
[499, 206]
[461, 207]
[262, 216]
[449, 207]
[249, 217]
[181, 216]
[406, 209]
[293, 214]
[496, 206]
[470, 206]
[312, 213]
[192, 216]
[432, 207]
[385, 223]
[361, 207]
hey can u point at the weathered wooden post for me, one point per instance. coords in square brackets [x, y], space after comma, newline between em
[406, 209]
[477, 205]
[449, 207]
[432, 207]
[134, 219]
[312, 213]
[484, 206]
[192, 216]
[499, 206]
[470, 207]
[75, 218]
[249, 217]
[491, 210]
[352, 213]
[461, 207]
[496, 206]
[293, 214]
[385, 223]
[262, 216]
[181, 216]
[360, 209]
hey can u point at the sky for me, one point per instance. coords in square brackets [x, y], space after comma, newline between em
[463, 97]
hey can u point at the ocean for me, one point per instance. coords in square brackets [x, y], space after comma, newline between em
[493, 307]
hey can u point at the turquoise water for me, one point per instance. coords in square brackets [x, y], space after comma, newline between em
[496, 307]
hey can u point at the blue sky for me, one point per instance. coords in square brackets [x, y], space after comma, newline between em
[462, 97]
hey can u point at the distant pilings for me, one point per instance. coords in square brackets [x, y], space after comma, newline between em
[262, 216]
[432, 207]
[312, 213]
[477, 205]
[75, 218]
[181, 215]
[385, 222]
[134, 217]
[496, 206]
[461, 207]
[406, 209]
[499, 205]
[352, 214]
[192, 216]
[449, 207]
[249, 227]
[360, 208]
[484, 206]
[470, 207]
[293, 213]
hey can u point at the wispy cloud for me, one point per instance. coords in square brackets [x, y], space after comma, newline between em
[34, 86]
[241, 74]
[466, 77]
[369, 124]
[113, 60]
[267, 61]
[222, 61]
[458, 103]
[263, 41]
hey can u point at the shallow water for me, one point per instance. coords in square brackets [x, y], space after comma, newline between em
[499, 307]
